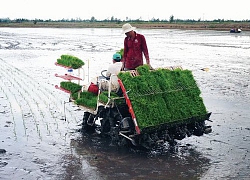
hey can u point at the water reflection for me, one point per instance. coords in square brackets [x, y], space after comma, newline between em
[93, 157]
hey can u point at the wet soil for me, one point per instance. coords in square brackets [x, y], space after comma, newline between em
[39, 129]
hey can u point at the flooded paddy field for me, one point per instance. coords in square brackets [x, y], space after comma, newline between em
[39, 127]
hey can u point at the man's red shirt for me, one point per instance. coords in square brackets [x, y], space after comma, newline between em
[134, 50]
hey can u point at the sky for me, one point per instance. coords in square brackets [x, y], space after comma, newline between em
[128, 9]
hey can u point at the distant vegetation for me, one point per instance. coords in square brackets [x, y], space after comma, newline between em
[171, 23]
[113, 19]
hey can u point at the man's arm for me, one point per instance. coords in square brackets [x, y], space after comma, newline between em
[145, 50]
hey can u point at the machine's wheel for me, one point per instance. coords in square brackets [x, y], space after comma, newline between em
[180, 133]
[199, 129]
[146, 141]
[105, 128]
[87, 119]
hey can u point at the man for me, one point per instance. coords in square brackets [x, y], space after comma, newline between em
[112, 72]
[116, 67]
[134, 47]
[111, 77]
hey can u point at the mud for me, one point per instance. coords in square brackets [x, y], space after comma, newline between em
[39, 128]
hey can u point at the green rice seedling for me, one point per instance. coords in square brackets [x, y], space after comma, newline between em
[70, 61]
[90, 103]
[89, 99]
[86, 99]
[163, 96]
[70, 86]
[120, 52]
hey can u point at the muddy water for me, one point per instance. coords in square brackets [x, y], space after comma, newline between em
[39, 127]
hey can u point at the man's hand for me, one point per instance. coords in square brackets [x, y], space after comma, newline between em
[150, 67]
[123, 66]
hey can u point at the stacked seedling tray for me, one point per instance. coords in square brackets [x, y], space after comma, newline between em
[164, 96]
[70, 63]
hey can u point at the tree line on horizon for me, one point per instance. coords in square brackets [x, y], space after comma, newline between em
[116, 20]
